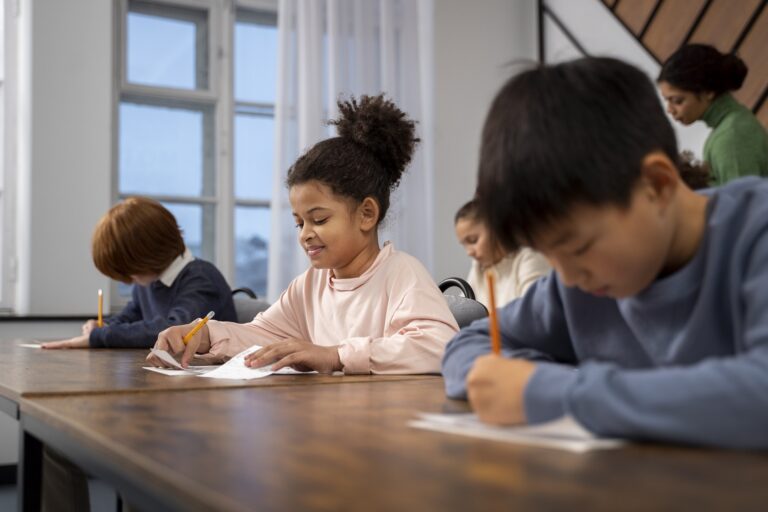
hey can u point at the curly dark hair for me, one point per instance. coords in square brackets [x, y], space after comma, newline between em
[375, 144]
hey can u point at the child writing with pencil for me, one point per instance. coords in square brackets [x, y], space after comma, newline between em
[361, 307]
[138, 241]
[659, 297]
[515, 271]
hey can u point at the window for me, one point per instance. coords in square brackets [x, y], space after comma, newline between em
[195, 122]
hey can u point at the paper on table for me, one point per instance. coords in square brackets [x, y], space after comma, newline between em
[30, 345]
[177, 369]
[233, 369]
[564, 433]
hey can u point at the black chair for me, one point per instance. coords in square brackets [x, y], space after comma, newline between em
[464, 307]
[247, 304]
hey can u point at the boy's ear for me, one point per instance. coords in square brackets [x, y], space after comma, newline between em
[369, 213]
[660, 177]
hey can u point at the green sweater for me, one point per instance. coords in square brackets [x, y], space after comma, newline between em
[738, 144]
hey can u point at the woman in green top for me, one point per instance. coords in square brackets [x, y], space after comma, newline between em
[696, 82]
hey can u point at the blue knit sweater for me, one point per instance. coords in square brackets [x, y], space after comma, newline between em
[198, 289]
[686, 360]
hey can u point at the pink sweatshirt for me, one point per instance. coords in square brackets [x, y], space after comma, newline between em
[391, 319]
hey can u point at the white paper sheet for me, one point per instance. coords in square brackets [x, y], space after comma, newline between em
[564, 433]
[233, 369]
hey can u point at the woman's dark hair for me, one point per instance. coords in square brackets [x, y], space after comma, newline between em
[701, 68]
[565, 134]
[375, 143]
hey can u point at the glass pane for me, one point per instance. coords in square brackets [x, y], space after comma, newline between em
[161, 150]
[190, 219]
[162, 51]
[255, 62]
[254, 136]
[252, 226]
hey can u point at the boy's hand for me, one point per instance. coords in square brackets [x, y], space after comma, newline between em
[495, 388]
[298, 354]
[76, 342]
[172, 341]
[89, 326]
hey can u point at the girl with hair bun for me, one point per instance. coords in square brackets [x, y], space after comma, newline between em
[696, 82]
[360, 307]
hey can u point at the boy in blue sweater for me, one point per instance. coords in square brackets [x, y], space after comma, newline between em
[654, 324]
[138, 241]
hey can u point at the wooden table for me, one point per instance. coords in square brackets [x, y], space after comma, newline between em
[33, 372]
[349, 448]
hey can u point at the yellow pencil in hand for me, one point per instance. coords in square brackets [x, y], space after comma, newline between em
[495, 336]
[100, 318]
[199, 325]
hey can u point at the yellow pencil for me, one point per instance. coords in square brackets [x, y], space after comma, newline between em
[100, 318]
[495, 336]
[199, 325]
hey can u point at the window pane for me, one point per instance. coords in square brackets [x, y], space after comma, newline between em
[254, 136]
[161, 150]
[190, 220]
[165, 52]
[255, 62]
[252, 226]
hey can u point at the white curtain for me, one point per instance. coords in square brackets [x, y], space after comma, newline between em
[331, 49]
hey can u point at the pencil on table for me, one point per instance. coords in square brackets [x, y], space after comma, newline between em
[199, 325]
[495, 336]
[100, 317]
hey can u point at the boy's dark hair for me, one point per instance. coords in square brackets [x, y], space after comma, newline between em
[564, 134]
[375, 143]
[701, 68]
[136, 236]
[468, 211]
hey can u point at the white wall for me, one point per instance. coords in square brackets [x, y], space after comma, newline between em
[65, 138]
[474, 44]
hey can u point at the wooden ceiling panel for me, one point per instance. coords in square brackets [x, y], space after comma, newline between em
[723, 22]
[634, 13]
[753, 51]
[670, 26]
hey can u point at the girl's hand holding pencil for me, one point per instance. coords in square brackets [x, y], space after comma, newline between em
[187, 340]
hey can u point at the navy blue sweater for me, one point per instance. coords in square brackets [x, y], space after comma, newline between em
[685, 360]
[198, 289]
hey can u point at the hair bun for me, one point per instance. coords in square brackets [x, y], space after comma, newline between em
[734, 71]
[383, 129]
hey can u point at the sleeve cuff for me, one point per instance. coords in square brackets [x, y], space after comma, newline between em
[544, 396]
[97, 337]
[218, 335]
[355, 355]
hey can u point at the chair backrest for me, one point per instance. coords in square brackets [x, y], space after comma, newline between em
[465, 308]
[247, 304]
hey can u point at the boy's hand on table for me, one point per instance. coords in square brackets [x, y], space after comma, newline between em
[76, 342]
[172, 341]
[300, 355]
[495, 388]
[89, 326]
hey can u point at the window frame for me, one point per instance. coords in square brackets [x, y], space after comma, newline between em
[217, 98]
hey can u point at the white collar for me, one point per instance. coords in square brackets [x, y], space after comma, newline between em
[174, 269]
